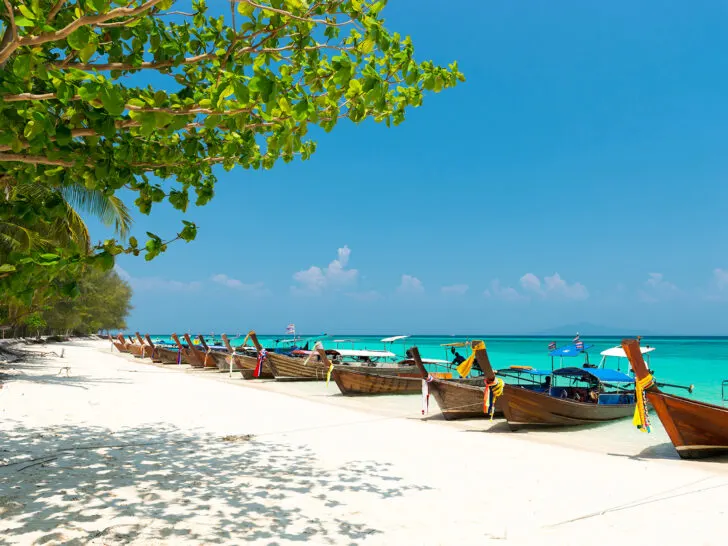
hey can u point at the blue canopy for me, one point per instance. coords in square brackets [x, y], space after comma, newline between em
[569, 350]
[602, 374]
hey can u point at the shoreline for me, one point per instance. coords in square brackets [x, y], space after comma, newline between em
[128, 453]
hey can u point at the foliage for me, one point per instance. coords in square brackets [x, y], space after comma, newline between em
[102, 302]
[139, 95]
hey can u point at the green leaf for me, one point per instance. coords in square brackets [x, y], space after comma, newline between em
[245, 9]
[63, 135]
[24, 22]
[87, 52]
[7, 268]
[79, 38]
[26, 11]
[113, 100]
[189, 232]
[21, 66]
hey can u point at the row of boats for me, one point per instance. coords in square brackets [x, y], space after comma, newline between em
[525, 397]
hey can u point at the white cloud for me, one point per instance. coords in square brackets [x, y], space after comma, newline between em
[531, 283]
[555, 285]
[410, 285]
[229, 282]
[551, 287]
[156, 283]
[315, 280]
[656, 289]
[455, 289]
[720, 278]
[507, 293]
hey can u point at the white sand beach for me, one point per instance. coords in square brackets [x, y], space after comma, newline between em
[125, 452]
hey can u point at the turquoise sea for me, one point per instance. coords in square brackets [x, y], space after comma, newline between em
[701, 361]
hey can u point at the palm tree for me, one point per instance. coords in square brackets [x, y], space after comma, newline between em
[64, 229]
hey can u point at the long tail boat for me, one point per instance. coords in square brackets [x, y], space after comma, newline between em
[147, 349]
[461, 399]
[119, 343]
[185, 353]
[606, 397]
[199, 359]
[696, 429]
[164, 355]
[245, 363]
[289, 368]
[354, 382]
[131, 346]
[313, 367]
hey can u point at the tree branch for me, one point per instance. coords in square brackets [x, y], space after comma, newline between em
[54, 10]
[42, 160]
[60, 34]
[296, 17]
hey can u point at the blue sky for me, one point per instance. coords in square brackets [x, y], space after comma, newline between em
[578, 175]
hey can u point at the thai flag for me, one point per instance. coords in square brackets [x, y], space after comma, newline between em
[552, 346]
[259, 365]
[579, 345]
[291, 329]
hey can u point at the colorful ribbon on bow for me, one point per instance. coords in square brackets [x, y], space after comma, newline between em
[641, 418]
[465, 366]
[259, 366]
[179, 356]
[426, 394]
[493, 389]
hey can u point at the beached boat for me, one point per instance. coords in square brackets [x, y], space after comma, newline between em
[186, 355]
[133, 347]
[592, 395]
[354, 382]
[163, 355]
[457, 399]
[245, 361]
[147, 349]
[198, 358]
[696, 429]
[119, 343]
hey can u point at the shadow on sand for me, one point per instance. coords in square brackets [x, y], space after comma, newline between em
[80, 484]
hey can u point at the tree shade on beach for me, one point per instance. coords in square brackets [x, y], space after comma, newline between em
[148, 96]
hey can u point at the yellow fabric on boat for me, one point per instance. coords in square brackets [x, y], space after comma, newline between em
[641, 418]
[328, 373]
[465, 366]
[493, 389]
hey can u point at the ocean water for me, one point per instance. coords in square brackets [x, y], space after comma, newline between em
[702, 362]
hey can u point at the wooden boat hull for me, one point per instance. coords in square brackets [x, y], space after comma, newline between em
[287, 368]
[355, 382]
[168, 356]
[697, 429]
[135, 349]
[461, 399]
[526, 408]
[243, 363]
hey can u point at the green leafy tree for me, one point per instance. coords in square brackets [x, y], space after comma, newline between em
[151, 95]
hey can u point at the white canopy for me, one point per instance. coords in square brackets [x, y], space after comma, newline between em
[618, 351]
[370, 354]
[393, 338]
[435, 361]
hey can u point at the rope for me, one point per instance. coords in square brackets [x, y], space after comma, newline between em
[493, 389]
[641, 418]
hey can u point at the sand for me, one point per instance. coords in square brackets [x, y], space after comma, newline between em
[123, 452]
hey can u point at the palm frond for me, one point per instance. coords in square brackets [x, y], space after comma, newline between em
[107, 208]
